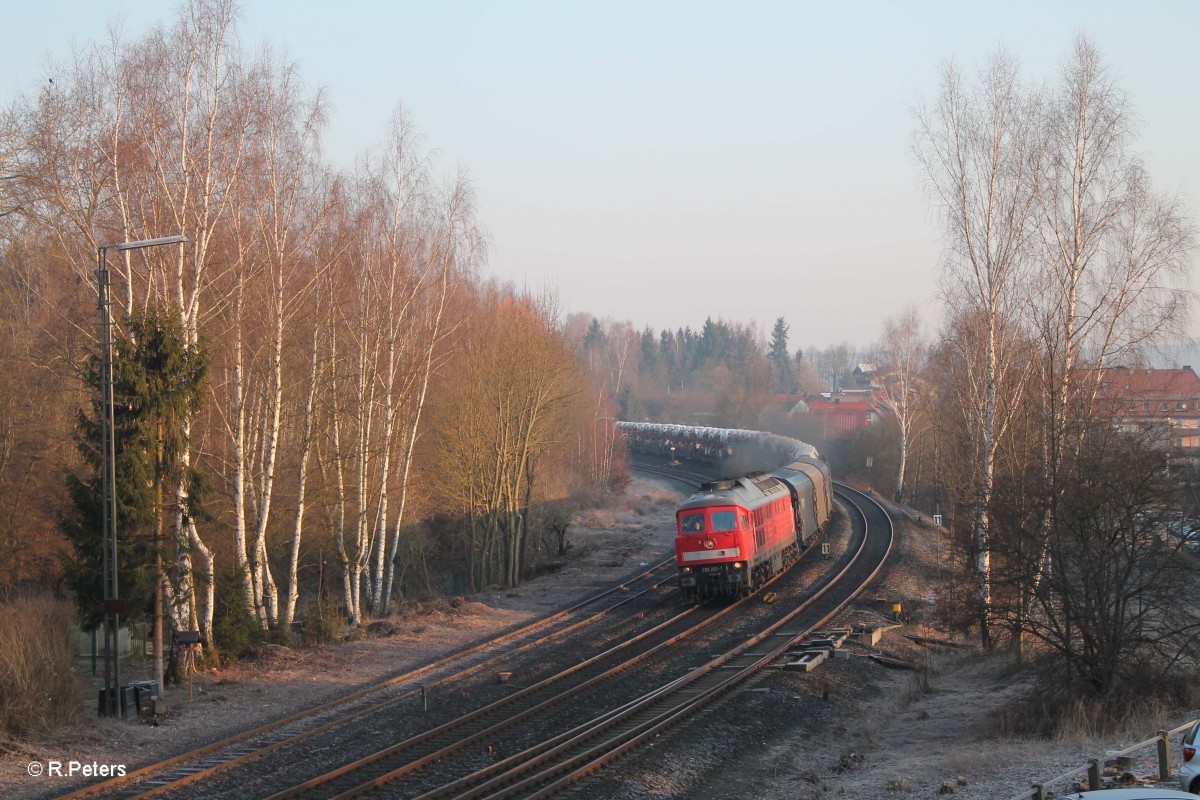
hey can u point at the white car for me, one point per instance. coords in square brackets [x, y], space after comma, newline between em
[1140, 793]
[1189, 767]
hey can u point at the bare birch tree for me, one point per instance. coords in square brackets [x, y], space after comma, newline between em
[978, 148]
[611, 353]
[188, 116]
[1114, 255]
[135, 143]
[1113, 262]
[458, 244]
[415, 242]
[356, 343]
[903, 347]
[279, 210]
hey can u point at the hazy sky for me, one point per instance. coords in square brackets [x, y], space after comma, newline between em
[661, 162]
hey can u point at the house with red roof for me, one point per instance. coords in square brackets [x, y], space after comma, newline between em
[1166, 399]
[840, 412]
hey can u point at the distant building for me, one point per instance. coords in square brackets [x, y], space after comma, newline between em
[788, 403]
[864, 375]
[840, 413]
[1165, 400]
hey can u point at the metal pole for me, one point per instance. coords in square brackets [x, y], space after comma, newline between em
[158, 599]
[112, 628]
[112, 602]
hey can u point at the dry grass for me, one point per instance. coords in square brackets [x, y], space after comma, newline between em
[597, 518]
[37, 680]
[651, 502]
[1085, 721]
[617, 510]
[1082, 720]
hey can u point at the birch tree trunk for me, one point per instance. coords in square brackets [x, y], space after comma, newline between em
[979, 152]
[289, 611]
[1106, 292]
[904, 348]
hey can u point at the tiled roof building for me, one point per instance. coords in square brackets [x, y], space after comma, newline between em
[864, 375]
[841, 412]
[1141, 398]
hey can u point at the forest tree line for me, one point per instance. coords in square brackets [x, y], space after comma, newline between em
[358, 411]
[363, 413]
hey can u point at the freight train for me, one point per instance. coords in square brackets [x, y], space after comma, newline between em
[735, 534]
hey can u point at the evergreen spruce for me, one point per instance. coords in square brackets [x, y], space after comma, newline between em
[158, 383]
[783, 372]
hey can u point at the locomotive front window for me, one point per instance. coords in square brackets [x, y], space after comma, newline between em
[724, 521]
[692, 523]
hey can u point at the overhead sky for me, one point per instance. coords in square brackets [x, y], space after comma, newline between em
[662, 162]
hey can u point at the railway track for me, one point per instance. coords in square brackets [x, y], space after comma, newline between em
[677, 473]
[537, 758]
[736, 667]
[545, 747]
[201, 763]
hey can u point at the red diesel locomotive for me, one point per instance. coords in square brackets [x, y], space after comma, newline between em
[735, 534]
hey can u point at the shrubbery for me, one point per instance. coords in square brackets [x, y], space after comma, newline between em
[322, 624]
[37, 665]
[1135, 710]
[236, 633]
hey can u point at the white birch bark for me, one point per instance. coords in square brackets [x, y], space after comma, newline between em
[1106, 292]
[339, 461]
[980, 155]
[289, 612]
[905, 350]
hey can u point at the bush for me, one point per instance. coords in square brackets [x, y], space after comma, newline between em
[1058, 709]
[236, 633]
[37, 665]
[322, 624]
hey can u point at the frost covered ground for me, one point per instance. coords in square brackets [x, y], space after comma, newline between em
[881, 732]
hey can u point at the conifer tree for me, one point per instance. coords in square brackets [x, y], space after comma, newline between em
[158, 380]
[783, 374]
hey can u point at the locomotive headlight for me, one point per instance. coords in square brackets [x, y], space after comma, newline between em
[686, 569]
[738, 565]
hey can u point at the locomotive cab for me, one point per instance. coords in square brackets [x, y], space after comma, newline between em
[709, 547]
[736, 534]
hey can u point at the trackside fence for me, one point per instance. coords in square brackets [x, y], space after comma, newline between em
[1094, 767]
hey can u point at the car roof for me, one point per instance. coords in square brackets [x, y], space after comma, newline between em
[1136, 793]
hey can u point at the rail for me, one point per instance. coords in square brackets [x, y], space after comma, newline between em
[647, 717]
[1093, 767]
[567, 755]
[186, 773]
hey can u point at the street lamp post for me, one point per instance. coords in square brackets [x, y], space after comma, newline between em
[114, 606]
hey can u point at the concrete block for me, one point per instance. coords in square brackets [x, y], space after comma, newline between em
[808, 661]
